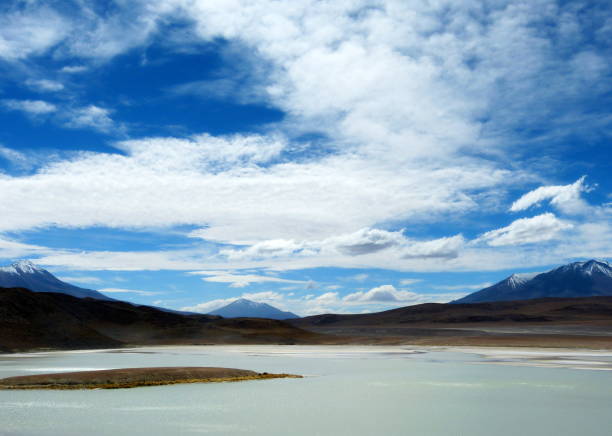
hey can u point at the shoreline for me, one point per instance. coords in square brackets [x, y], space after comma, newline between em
[525, 343]
[573, 358]
[125, 378]
[365, 345]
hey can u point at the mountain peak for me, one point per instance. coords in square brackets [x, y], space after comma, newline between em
[21, 267]
[589, 267]
[244, 300]
[26, 266]
[248, 303]
[25, 274]
[243, 308]
[518, 279]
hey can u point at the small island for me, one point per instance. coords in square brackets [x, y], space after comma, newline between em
[134, 377]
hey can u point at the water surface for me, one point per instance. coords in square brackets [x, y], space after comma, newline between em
[347, 391]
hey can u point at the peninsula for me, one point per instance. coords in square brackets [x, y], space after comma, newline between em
[134, 377]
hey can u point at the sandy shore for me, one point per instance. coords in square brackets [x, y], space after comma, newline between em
[134, 377]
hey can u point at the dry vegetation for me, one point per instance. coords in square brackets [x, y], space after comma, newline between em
[134, 377]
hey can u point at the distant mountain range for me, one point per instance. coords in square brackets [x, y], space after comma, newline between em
[243, 308]
[24, 274]
[577, 279]
[43, 320]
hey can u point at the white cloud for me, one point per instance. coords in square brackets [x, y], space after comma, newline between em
[81, 279]
[181, 260]
[73, 69]
[366, 241]
[30, 32]
[263, 297]
[527, 231]
[269, 297]
[565, 197]
[242, 280]
[10, 249]
[45, 85]
[398, 93]
[31, 107]
[264, 249]
[383, 294]
[408, 282]
[444, 248]
[363, 241]
[15, 157]
[358, 277]
[209, 306]
[162, 182]
[472, 287]
[379, 298]
[128, 291]
[89, 117]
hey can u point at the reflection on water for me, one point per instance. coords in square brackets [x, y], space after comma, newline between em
[348, 391]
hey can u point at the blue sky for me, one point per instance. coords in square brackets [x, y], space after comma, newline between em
[320, 156]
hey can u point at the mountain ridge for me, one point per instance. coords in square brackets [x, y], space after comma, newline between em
[588, 278]
[47, 320]
[25, 274]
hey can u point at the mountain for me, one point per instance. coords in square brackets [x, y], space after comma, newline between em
[243, 308]
[577, 279]
[41, 320]
[24, 274]
[553, 311]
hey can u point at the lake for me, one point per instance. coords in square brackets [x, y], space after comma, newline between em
[347, 391]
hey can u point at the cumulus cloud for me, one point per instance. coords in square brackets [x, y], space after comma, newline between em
[45, 85]
[382, 294]
[91, 116]
[378, 298]
[73, 69]
[31, 107]
[265, 249]
[443, 248]
[170, 181]
[31, 31]
[566, 198]
[376, 83]
[363, 241]
[366, 241]
[527, 231]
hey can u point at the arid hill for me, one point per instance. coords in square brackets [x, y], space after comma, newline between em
[34, 321]
[30, 320]
[548, 322]
[589, 310]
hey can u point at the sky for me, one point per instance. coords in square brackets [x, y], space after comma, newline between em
[322, 156]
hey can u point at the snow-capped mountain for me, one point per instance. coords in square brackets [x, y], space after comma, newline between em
[24, 274]
[577, 279]
[243, 308]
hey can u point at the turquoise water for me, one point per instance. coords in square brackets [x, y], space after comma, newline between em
[347, 391]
